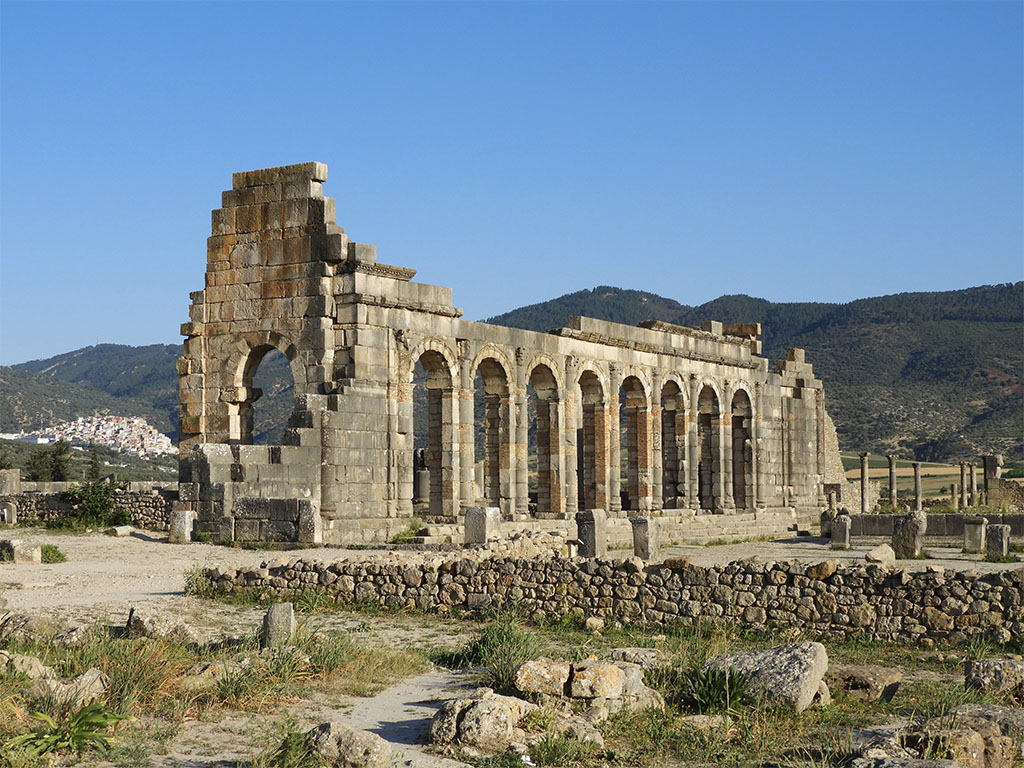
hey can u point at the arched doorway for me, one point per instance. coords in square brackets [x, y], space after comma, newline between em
[544, 452]
[742, 452]
[592, 444]
[635, 444]
[709, 469]
[673, 447]
[492, 442]
[265, 389]
[434, 440]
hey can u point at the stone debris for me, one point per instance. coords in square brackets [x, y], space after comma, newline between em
[143, 624]
[483, 722]
[866, 682]
[119, 531]
[89, 685]
[908, 535]
[787, 676]
[181, 525]
[994, 674]
[883, 554]
[278, 626]
[974, 735]
[30, 666]
[345, 747]
[72, 637]
[544, 676]
[644, 657]
[17, 551]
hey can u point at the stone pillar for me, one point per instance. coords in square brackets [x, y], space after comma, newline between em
[614, 442]
[183, 520]
[975, 534]
[998, 544]
[444, 497]
[831, 501]
[466, 430]
[522, 505]
[571, 408]
[992, 469]
[864, 483]
[760, 462]
[645, 537]
[483, 524]
[278, 626]
[644, 452]
[421, 489]
[917, 486]
[955, 494]
[963, 484]
[657, 447]
[693, 447]
[10, 482]
[592, 532]
[841, 532]
[728, 497]
[892, 480]
[974, 483]
[908, 534]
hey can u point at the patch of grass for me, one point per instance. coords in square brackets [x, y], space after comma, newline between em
[311, 600]
[80, 731]
[52, 554]
[411, 531]
[199, 584]
[1011, 558]
[500, 649]
[563, 751]
[712, 690]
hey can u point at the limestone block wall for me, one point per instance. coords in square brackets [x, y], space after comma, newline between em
[826, 598]
[281, 274]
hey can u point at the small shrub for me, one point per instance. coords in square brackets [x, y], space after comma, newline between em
[199, 584]
[52, 554]
[92, 506]
[311, 600]
[501, 648]
[83, 731]
[413, 530]
[562, 751]
[713, 690]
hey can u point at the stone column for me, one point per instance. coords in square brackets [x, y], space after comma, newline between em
[570, 461]
[864, 483]
[991, 471]
[917, 486]
[522, 504]
[448, 482]
[892, 480]
[693, 447]
[841, 532]
[963, 484]
[955, 493]
[482, 524]
[645, 537]
[466, 429]
[974, 483]
[614, 442]
[644, 432]
[657, 448]
[728, 496]
[592, 532]
[760, 464]
[974, 534]
[998, 543]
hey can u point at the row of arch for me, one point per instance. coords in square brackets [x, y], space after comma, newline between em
[531, 443]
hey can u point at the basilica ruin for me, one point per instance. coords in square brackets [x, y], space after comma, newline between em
[657, 420]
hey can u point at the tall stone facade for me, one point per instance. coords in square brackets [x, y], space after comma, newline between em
[633, 420]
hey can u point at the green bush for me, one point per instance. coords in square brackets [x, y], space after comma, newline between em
[53, 554]
[500, 649]
[82, 731]
[713, 690]
[92, 506]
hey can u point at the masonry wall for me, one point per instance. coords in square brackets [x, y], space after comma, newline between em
[824, 598]
[281, 274]
[149, 509]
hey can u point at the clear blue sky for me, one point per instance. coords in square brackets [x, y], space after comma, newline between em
[515, 152]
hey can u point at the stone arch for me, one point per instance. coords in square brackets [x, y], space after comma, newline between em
[245, 359]
[592, 441]
[493, 443]
[547, 401]
[435, 462]
[708, 411]
[673, 443]
[741, 415]
[542, 360]
[635, 434]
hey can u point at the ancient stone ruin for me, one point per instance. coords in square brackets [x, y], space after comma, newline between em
[637, 421]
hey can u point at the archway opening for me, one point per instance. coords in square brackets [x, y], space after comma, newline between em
[491, 438]
[591, 444]
[267, 398]
[742, 450]
[708, 466]
[543, 448]
[433, 443]
[673, 447]
[634, 441]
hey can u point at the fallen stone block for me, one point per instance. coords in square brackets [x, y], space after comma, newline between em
[89, 685]
[788, 676]
[143, 624]
[883, 554]
[543, 675]
[994, 674]
[346, 747]
[866, 682]
[119, 531]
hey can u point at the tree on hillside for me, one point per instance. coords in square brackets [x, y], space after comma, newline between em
[6, 462]
[39, 467]
[95, 471]
[60, 460]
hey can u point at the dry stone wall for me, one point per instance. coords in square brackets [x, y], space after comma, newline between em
[824, 598]
[149, 509]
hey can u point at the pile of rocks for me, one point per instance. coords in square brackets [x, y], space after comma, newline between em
[576, 696]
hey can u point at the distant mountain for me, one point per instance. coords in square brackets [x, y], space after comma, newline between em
[933, 375]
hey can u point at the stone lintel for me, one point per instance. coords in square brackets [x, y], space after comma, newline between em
[301, 172]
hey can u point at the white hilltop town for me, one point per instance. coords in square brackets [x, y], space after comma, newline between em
[127, 434]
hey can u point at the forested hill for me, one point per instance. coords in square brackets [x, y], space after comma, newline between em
[937, 375]
[934, 375]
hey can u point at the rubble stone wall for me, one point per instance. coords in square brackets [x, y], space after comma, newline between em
[149, 509]
[825, 598]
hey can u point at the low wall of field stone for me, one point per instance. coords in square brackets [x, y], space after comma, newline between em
[824, 598]
[149, 509]
[950, 524]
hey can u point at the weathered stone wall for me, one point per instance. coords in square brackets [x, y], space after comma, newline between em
[740, 433]
[824, 598]
[950, 524]
[149, 509]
